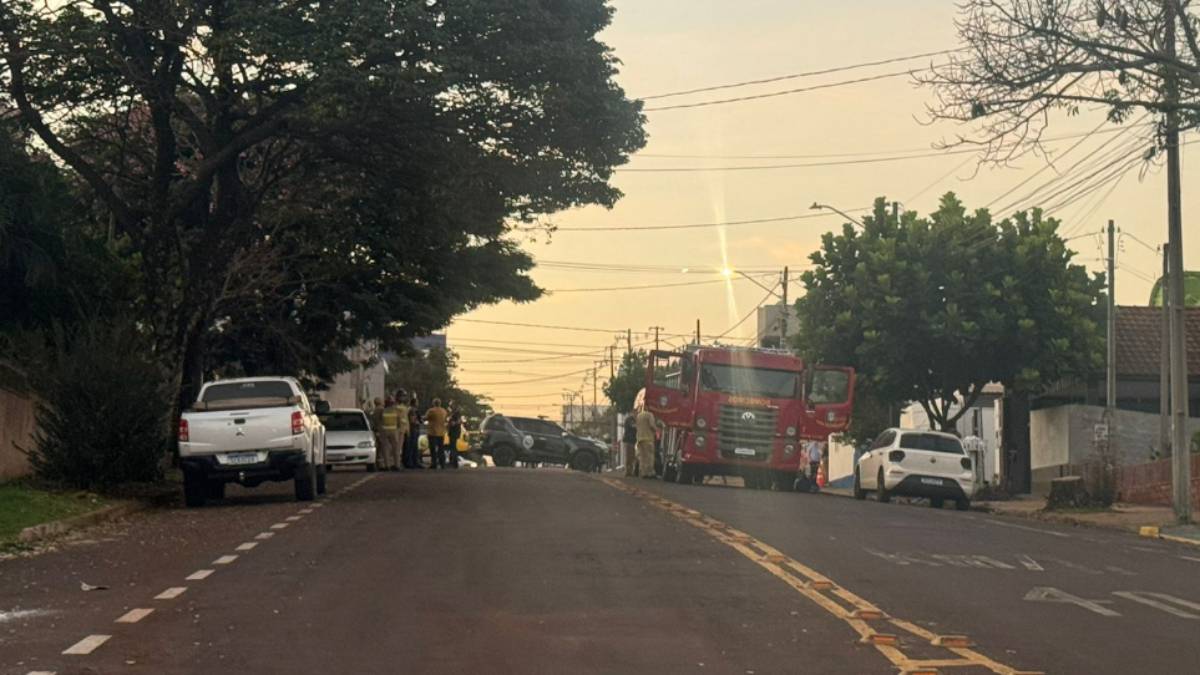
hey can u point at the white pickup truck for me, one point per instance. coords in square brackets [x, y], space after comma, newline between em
[247, 431]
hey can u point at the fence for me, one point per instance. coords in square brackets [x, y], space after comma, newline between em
[16, 428]
[1150, 483]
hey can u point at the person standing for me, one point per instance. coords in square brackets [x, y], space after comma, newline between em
[814, 461]
[629, 442]
[398, 436]
[454, 431]
[436, 418]
[388, 427]
[412, 444]
[375, 417]
[646, 428]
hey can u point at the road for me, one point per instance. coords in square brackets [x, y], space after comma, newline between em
[546, 571]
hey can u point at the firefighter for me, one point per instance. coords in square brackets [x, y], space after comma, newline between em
[646, 428]
[401, 432]
[389, 425]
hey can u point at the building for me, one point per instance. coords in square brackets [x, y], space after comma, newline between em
[770, 318]
[364, 382]
[425, 343]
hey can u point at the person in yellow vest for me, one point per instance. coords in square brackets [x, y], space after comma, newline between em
[435, 420]
[389, 427]
[400, 433]
[646, 428]
[375, 416]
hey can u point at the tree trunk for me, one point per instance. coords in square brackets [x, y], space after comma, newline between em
[1018, 471]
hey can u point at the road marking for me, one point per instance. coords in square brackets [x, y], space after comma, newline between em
[1120, 570]
[306, 511]
[279, 526]
[317, 505]
[87, 645]
[994, 563]
[198, 575]
[1076, 566]
[225, 560]
[1188, 557]
[1153, 600]
[821, 590]
[171, 593]
[246, 546]
[264, 535]
[901, 559]
[293, 518]
[41, 672]
[1049, 594]
[134, 615]
[1052, 533]
[1029, 563]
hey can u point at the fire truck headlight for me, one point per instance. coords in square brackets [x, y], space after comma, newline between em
[831, 416]
[791, 431]
[701, 423]
[662, 400]
[700, 440]
[789, 450]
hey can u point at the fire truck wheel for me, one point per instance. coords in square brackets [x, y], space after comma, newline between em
[670, 472]
[683, 474]
[784, 481]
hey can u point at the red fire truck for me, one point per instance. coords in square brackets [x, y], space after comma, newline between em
[743, 411]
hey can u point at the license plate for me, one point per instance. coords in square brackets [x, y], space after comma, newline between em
[242, 458]
[931, 481]
[748, 452]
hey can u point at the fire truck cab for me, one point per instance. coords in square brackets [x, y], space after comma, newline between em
[743, 411]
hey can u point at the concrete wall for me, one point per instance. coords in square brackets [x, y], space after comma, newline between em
[16, 427]
[346, 387]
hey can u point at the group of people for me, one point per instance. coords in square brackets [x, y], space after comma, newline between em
[396, 421]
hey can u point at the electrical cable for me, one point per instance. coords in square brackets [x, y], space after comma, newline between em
[786, 92]
[688, 226]
[655, 286]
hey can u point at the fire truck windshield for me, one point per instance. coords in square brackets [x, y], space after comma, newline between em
[749, 381]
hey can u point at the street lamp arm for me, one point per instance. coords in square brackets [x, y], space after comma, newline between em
[818, 206]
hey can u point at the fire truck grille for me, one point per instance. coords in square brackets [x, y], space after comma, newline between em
[746, 429]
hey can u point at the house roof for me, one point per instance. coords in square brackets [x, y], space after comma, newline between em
[1139, 340]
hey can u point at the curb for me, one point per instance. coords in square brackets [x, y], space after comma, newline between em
[57, 528]
[1153, 532]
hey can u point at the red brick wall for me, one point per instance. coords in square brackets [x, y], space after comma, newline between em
[1151, 483]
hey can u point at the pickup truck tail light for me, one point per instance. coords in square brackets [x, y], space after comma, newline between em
[183, 431]
[896, 456]
[297, 423]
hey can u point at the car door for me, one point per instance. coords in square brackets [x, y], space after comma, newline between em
[668, 387]
[868, 464]
[829, 394]
[550, 443]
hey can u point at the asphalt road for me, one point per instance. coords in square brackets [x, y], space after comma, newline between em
[545, 571]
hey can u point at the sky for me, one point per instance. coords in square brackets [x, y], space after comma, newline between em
[672, 45]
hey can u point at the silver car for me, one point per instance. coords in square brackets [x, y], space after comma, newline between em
[348, 439]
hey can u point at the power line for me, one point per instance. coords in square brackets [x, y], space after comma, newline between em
[612, 331]
[752, 311]
[793, 76]
[785, 92]
[689, 226]
[529, 381]
[650, 286]
[803, 165]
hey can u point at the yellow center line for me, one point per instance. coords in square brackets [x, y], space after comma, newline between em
[813, 585]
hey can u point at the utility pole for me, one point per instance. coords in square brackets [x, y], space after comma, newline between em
[697, 331]
[629, 340]
[656, 329]
[1180, 447]
[612, 373]
[783, 317]
[1164, 369]
[1110, 389]
[595, 389]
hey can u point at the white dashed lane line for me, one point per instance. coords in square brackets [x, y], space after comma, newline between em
[225, 560]
[134, 615]
[171, 593]
[41, 672]
[87, 645]
[198, 575]
[279, 526]
[264, 535]
[246, 546]
[293, 518]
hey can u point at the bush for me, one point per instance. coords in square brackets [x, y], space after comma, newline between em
[102, 409]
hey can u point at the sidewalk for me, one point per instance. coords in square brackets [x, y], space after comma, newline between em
[1128, 517]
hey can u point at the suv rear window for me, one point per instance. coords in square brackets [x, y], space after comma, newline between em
[345, 422]
[932, 443]
[245, 390]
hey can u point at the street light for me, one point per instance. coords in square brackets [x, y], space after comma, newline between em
[817, 207]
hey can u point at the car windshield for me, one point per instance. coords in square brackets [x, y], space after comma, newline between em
[932, 443]
[748, 381]
[349, 421]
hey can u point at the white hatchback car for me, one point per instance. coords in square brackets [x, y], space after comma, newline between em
[348, 439]
[916, 464]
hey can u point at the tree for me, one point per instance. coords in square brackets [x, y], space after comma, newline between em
[622, 389]
[280, 172]
[932, 309]
[430, 375]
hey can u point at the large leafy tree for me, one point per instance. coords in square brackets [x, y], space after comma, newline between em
[622, 389]
[290, 179]
[932, 309]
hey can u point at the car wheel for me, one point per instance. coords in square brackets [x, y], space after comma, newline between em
[504, 455]
[881, 491]
[328, 468]
[321, 479]
[194, 490]
[962, 504]
[859, 492]
[937, 502]
[583, 461]
[215, 489]
[370, 468]
[306, 483]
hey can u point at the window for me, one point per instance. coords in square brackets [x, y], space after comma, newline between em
[885, 439]
[749, 381]
[931, 443]
[669, 371]
[244, 390]
[345, 422]
[829, 386]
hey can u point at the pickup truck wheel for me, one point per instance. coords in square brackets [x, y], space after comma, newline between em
[194, 490]
[321, 479]
[215, 489]
[306, 483]
[504, 455]
[583, 461]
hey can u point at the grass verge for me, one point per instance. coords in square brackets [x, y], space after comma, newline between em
[23, 504]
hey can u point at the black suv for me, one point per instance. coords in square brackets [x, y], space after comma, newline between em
[529, 439]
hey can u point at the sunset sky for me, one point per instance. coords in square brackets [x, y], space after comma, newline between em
[671, 45]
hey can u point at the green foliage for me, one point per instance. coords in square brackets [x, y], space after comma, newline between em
[932, 309]
[630, 378]
[1191, 291]
[102, 409]
[430, 375]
